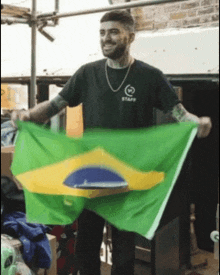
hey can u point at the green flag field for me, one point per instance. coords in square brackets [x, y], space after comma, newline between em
[125, 176]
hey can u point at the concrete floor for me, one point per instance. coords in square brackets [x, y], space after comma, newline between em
[202, 256]
[211, 269]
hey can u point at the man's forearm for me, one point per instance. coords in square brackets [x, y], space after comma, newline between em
[182, 115]
[47, 109]
[43, 112]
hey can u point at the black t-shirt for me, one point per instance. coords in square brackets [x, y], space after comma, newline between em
[144, 89]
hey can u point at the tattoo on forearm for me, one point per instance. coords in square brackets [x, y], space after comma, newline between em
[59, 102]
[55, 106]
[182, 115]
[47, 109]
[52, 110]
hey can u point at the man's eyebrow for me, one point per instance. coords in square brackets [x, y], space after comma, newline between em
[112, 29]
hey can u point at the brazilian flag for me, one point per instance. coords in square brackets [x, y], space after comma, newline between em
[125, 176]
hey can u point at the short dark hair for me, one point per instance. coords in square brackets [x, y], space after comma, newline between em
[122, 16]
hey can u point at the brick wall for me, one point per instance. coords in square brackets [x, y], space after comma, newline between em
[185, 14]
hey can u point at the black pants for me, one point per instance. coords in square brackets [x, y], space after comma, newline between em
[89, 239]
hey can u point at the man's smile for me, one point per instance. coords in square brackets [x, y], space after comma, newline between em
[108, 46]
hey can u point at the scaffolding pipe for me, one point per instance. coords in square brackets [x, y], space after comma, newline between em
[46, 14]
[109, 8]
[32, 95]
[129, 10]
[10, 21]
[56, 21]
[56, 5]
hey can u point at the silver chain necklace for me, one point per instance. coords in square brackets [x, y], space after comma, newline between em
[110, 86]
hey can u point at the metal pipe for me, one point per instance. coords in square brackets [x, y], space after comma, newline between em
[33, 54]
[46, 34]
[56, 21]
[112, 7]
[51, 13]
[129, 10]
[46, 14]
[10, 21]
[50, 24]
[46, 23]
[56, 5]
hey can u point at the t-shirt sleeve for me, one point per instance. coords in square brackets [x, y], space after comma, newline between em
[73, 90]
[166, 97]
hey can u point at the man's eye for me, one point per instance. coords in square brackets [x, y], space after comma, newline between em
[114, 31]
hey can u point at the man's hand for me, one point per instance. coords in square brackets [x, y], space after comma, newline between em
[20, 115]
[182, 115]
[42, 112]
[23, 115]
[205, 126]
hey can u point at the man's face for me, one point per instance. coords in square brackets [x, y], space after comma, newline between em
[115, 39]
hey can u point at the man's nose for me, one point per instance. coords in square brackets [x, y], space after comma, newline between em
[107, 37]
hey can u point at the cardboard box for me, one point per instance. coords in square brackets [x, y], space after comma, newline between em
[6, 161]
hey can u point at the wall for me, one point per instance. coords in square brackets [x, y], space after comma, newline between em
[7, 97]
[184, 14]
[179, 51]
[14, 96]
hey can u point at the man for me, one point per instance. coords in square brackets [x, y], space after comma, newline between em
[118, 92]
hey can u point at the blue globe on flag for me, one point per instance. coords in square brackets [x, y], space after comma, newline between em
[95, 177]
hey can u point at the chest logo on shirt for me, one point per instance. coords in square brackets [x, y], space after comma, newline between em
[129, 92]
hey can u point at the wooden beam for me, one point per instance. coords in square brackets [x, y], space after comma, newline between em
[15, 11]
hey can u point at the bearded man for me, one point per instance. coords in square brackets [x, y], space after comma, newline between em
[117, 92]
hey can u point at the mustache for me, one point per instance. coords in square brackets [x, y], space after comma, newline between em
[108, 43]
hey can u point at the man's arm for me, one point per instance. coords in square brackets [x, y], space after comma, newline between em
[182, 115]
[41, 112]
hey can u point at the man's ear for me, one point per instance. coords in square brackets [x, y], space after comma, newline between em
[131, 37]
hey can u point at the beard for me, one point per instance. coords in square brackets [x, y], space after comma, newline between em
[115, 53]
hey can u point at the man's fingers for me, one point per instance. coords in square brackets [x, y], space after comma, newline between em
[20, 115]
[24, 116]
[14, 115]
[205, 127]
